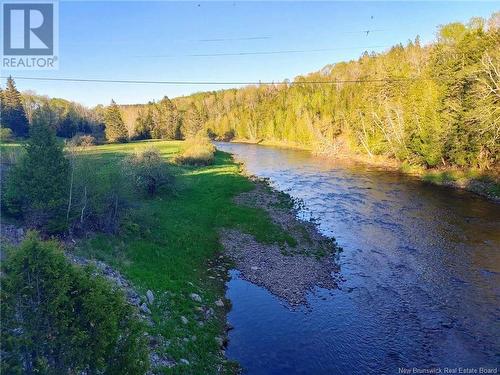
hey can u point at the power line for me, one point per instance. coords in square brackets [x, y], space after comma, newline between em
[235, 39]
[124, 81]
[279, 52]
[249, 53]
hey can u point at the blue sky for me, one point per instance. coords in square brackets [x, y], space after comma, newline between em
[157, 41]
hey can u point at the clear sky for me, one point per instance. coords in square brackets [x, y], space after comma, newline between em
[171, 41]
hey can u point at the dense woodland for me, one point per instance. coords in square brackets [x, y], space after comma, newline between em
[433, 105]
[426, 105]
[67, 119]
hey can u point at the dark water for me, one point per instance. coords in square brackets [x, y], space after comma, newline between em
[422, 270]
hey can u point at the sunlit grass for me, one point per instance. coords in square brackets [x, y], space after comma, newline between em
[166, 242]
[197, 150]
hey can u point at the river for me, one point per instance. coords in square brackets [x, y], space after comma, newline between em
[421, 265]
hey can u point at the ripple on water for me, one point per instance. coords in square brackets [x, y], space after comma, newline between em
[421, 271]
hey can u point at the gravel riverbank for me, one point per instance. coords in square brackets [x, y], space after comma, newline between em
[287, 271]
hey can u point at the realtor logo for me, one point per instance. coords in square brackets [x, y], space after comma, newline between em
[30, 35]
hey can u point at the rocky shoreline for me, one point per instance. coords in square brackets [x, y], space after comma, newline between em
[289, 272]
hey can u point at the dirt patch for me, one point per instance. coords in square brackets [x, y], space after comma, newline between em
[287, 271]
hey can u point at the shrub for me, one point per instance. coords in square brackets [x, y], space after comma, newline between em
[37, 186]
[6, 135]
[148, 171]
[83, 140]
[100, 196]
[62, 319]
[229, 135]
[198, 150]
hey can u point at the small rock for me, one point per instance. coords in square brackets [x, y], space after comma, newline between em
[193, 338]
[254, 268]
[209, 313]
[145, 309]
[184, 320]
[219, 303]
[160, 361]
[150, 296]
[446, 325]
[219, 341]
[195, 297]
[184, 361]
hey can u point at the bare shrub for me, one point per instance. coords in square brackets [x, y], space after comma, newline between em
[84, 140]
[6, 135]
[148, 171]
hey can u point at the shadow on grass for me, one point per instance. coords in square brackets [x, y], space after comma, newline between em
[166, 244]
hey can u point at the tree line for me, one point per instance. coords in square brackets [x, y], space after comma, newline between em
[429, 105]
[432, 105]
[19, 112]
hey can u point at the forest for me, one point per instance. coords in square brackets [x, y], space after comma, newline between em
[435, 105]
[432, 105]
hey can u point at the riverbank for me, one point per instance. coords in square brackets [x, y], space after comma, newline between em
[289, 270]
[399, 234]
[169, 252]
[483, 183]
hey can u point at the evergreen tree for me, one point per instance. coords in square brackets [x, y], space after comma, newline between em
[143, 124]
[61, 319]
[115, 127]
[166, 120]
[192, 121]
[12, 111]
[38, 185]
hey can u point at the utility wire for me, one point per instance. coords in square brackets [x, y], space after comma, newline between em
[234, 39]
[248, 53]
[124, 81]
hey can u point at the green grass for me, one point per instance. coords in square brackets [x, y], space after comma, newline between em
[167, 243]
[471, 179]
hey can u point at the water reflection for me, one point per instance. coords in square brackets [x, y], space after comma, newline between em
[422, 269]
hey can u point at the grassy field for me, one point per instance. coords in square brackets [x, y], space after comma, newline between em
[169, 244]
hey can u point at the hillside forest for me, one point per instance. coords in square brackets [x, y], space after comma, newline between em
[435, 105]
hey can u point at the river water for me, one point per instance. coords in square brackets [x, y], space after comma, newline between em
[422, 275]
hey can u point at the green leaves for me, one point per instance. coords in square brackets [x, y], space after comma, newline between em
[13, 115]
[115, 127]
[38, 185]
[58, 318]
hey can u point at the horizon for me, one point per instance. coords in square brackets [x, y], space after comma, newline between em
[217, 41]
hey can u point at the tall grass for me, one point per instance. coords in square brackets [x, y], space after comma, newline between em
[197, 150]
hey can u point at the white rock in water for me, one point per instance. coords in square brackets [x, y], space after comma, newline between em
[254, 268]
[184, 320]
[195, 297]
[219, 303]
[184, 361]
[150, 296]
